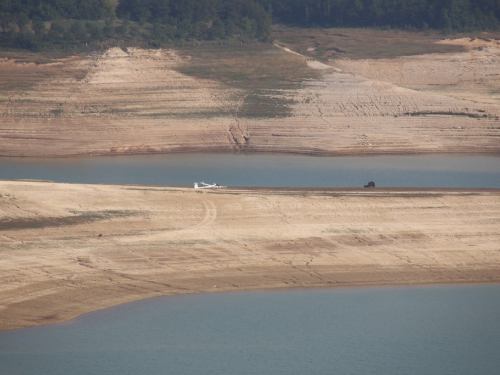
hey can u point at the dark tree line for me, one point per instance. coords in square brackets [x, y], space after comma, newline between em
[33, 23]
[203, 19]
[47, 10]
[459, 15]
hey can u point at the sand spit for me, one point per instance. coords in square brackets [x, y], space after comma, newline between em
[137, 101]
[67, 249]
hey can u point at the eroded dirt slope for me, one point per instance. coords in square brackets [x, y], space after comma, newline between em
[124, 101]
[473, 74]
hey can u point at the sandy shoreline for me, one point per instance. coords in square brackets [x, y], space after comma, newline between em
[68, 249]
[135, 101]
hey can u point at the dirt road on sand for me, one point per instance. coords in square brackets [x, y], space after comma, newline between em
[67, 249]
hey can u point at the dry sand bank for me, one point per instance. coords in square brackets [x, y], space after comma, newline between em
[469, 75]
[140, 101]
[67, 249]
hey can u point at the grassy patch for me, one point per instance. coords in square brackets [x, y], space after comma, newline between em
[325, 44]
[262, 104]
[27, 69]
[259, 66]
[44, 57]
[261, 73]
[46, 222]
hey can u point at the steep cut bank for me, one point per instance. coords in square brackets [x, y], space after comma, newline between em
[67, 249]
[249, 98]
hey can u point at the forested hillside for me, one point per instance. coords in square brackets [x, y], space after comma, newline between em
[461, 15]
[32, 24]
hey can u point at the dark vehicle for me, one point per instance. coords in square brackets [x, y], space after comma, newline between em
[370, 184]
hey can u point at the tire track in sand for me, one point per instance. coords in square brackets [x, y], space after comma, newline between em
[210, 215]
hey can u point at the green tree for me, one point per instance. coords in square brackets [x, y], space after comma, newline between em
[5, 20]
[134, 31]
[217, 30]
[94, 30]
[26, 41]
[108, 30]
[229, 27]
[22, 21]
[56, 31]
[78, 31]
[122, 29]
[39, 28]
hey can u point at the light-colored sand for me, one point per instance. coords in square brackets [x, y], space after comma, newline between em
[119, 102]
[125, 103]
[472, 75]
[67, 249]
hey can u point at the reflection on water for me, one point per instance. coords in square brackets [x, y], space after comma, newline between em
[264, 170]
[390, 331]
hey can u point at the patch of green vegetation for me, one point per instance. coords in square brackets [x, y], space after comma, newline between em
[246, 66]
[355, 43]
[56, 112]
[261, 73]
[80, 217]
[260, 105]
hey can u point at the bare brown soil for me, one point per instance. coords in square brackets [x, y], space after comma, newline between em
[425, 94]
[472, 74]
[68, 249]
[330, 44]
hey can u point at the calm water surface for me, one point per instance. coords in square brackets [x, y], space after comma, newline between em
[390, 331]
[474, 171]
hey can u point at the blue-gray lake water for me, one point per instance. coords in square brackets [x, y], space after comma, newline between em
[384, 331]
[467, 171]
